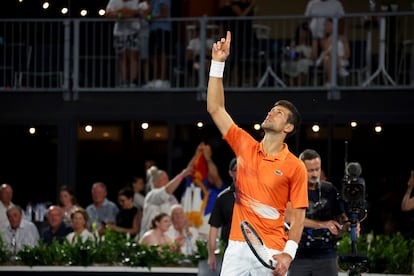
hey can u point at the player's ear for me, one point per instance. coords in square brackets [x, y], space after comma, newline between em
[289, 128]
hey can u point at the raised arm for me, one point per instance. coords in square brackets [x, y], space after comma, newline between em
[213, 173]
[215, 90]
[175, 182]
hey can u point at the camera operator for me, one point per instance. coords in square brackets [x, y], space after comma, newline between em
[324, 222]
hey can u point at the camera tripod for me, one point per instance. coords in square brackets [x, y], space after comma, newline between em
[357, 263]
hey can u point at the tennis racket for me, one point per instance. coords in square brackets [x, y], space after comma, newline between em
[257, 246]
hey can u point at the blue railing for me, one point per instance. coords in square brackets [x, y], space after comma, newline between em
[77, 55]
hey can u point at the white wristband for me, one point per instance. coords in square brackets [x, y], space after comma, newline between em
[290, 248]
[217, 69]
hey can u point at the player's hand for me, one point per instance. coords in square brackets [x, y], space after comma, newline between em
[283, 261]
[221, 49]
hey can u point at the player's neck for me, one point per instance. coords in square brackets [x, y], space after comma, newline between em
[272, 146]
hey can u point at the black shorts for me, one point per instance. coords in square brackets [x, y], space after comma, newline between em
[160, 42]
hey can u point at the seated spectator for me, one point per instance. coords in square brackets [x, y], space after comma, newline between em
[128, 219]
[325, 58]
[102, 211]
[57, 229]
[298, 57]
[19, 232]
[193, 52]
[161, 197]
[67, 201]
[180, 231]
[6, 196]
[157, 233]
[79, 219]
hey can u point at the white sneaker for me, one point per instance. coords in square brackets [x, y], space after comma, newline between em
[158, 84]
[343, 72]
[150, 84]
[166, 84]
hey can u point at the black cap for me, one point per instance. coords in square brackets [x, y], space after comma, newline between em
[233, 164]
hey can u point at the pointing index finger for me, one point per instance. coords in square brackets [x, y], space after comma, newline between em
[228, 37]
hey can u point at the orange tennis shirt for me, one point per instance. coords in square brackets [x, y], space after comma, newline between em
[264, 185]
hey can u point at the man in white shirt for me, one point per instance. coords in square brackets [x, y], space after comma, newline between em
[184, 235]
[6, 195]
[20, 232]
[318, 10]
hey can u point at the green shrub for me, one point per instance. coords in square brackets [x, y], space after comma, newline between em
[5, 254]
[111, 249]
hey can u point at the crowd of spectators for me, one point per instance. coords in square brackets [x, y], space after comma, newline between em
[152, 217]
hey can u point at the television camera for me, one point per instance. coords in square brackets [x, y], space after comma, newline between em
[353, 194]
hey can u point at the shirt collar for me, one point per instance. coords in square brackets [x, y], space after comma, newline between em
[280, 156]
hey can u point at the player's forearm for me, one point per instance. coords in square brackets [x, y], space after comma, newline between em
[215, 95]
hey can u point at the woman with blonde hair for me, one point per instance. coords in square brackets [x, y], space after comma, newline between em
[161, 197]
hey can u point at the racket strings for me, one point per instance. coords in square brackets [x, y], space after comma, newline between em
[261, 250]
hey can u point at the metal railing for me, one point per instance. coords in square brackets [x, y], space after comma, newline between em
[77, 55]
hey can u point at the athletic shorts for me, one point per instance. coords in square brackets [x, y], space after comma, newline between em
[239, 260]
[126, 42]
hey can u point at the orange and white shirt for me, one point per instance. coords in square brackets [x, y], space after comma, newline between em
[264, 185]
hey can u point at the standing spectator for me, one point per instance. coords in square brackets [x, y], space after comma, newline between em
[128, 219]
[67, 201]
[202, 188]
[221, 219]
[102, 211]
[57, 228]
[144, 34]
[324, 221]
[247, 40]
[126, 36]
[298, 58]
[318, 11]
[19, 232]
[160, 42]
[6, 196]
[181, 232]
[79, 219]
[268, 177]
[161, 197]
[138, 186]
[407, 203]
